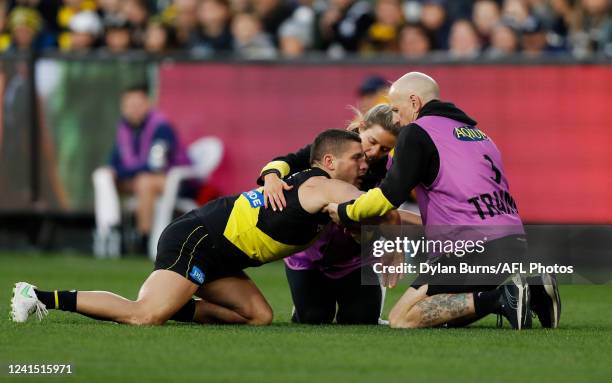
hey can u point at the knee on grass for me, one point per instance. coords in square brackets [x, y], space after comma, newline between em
[259, 315]
[358, 316]
[315, 316]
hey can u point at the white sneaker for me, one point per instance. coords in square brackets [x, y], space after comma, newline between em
[24, 303]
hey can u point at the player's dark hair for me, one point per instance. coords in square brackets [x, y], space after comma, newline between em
[141, 87]
[332, 141]
[381, 114]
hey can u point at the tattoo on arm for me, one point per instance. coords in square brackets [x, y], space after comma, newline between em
[441, 308]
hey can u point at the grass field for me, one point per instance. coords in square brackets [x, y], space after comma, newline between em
[106, 352]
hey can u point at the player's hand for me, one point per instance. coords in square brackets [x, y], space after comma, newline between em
[392, 259]
[273, 190]
[332, 210]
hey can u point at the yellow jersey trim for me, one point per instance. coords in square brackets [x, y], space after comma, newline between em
[281, 166]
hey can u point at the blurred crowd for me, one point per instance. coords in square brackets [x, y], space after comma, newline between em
[263, 29]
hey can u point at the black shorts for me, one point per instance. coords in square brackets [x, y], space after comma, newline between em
[188, 248]
[508, 249]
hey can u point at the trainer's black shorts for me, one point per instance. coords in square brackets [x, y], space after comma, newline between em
[188, 248]
[508, 249]
[316, 296]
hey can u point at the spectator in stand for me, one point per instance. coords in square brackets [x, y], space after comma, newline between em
[383, 34]
[464, 42]
[515, 13]
[534, 40]
[159, 38]
[296, 34]
[137, 14]
[437, 23]
[85, 30]
[414, 42]
[48, 11]
[272, 14]
[336, 27]
[64, 16]
[486, 15]
[25, 26]
[250, 42]
[117, 36]
[559, 18]
[213, 35]
[504, 42]
[591, 29]
[185, 20]
[110, 10]
[343, 25]
[294, 39]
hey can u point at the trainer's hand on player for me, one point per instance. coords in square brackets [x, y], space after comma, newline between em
[392, 259]
[273, 192]
[332, 210]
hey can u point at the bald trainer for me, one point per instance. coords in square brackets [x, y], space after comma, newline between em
[458, 174]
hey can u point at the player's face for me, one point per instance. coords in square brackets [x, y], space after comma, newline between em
[376, 143]
[351, 165]
[134, 107]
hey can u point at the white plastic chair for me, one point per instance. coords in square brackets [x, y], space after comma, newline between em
[205, 155]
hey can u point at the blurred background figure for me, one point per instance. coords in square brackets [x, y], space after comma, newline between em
[372, 91]
[591, 28]
[136, 13]
[146, 147]
[343, 25]
[437, 23]
[185, 16]
[504, 42]
[117, 36]
[485, 15]
[110, 10]
[296, 34]
[159, 38]
[382, 36]
[414, 41]
[85, 29]
[212, 35]
[336, 28]
[533, 38]
[272, 14]
[68, 10]
[515, 13]
[463, 42]
[25, 25]
[250, 42]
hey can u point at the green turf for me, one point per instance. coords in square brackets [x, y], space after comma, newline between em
[105, 352]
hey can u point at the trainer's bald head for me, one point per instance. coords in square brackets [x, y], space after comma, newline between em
[410, 93]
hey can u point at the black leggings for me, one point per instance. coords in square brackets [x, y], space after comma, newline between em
[315, 297]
